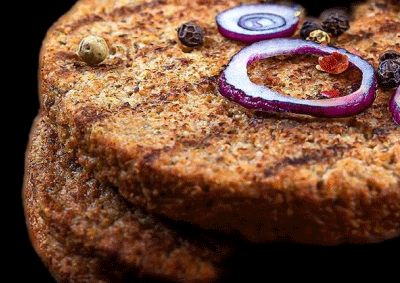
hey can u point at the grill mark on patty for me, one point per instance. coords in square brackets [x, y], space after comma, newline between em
[87, 116]
[92, 18]
[315, 156]
[153, 155]
[115, 14]
[129, 10]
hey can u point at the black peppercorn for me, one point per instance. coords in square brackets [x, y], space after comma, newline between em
[390, 54]
[308, 27]
[389, 69]
[335, 21]
[190, 34]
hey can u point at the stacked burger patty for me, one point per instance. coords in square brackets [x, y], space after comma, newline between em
[139, 168]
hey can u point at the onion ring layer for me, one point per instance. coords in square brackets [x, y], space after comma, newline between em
[235, 84]
[255, 22]
[394, 106]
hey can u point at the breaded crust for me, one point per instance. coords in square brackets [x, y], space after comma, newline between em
[86, 232]
[150, 121]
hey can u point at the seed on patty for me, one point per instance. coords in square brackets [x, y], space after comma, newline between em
[389, 54]
[93, 50]
[308, 27]
[190, 34]
[335, 21]
[389, 73]
[319, 36]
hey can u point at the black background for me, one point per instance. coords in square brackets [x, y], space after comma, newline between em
[296, 261]
[34, 19]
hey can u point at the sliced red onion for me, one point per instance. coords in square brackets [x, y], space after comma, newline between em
[255, 22]
[235, 84]
[394, 106]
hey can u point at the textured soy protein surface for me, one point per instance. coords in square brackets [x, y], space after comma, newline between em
[86, 232]
[150, 121]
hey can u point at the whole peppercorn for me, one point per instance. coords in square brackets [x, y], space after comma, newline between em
[93, 50]
[190, 34]
[308, 27]
[335, 21]
[390, 54]
[389, 69]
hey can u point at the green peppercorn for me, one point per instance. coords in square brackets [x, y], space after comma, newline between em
[190, 34]
[93, 50]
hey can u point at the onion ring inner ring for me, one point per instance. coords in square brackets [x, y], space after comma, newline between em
[261, 21]
[255, 22]
[235, 83]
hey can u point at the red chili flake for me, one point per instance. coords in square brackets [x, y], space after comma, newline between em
[335, 63]
[330, 93]
[272, 80]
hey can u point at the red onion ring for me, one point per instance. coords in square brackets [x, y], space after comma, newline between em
[394, 106]
[255, 22]
[235, 84]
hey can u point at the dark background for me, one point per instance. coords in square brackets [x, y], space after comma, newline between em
[36, 18]
[297, 260]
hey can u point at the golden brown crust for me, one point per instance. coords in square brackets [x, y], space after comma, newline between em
[151, 121]
[85, 232]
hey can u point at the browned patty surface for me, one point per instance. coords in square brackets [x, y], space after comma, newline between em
[85, 232]
[150, 121]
